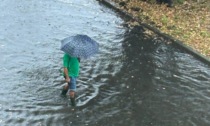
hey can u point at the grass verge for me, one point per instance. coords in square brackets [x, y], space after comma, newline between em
[188, 22]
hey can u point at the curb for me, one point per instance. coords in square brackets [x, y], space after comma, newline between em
[188, 49]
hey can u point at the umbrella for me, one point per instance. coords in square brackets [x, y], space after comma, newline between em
[80, 46]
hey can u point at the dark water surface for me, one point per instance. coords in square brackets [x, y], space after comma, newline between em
[137, 79]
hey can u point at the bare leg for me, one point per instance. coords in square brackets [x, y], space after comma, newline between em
[65, 89]
[72, 97]
[71, 93]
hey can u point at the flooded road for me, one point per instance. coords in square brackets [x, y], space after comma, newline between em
[137, 79]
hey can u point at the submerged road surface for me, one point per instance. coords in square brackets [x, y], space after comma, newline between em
[137, 79]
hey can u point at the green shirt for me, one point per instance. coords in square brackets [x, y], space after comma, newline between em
[72, 64]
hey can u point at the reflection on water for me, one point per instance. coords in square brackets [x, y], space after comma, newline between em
[136, 79]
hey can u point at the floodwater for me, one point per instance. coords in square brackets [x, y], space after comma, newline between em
[137, 79]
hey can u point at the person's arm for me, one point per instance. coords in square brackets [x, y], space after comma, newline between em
[65, 65]
[66, 74]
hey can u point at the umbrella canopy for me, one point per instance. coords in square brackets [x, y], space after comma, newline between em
[80, 46]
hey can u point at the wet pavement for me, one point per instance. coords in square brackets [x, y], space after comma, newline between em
[136, 79]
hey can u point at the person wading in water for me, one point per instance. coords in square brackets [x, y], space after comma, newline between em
[71, 67]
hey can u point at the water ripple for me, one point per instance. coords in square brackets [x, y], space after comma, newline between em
[136, 79]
